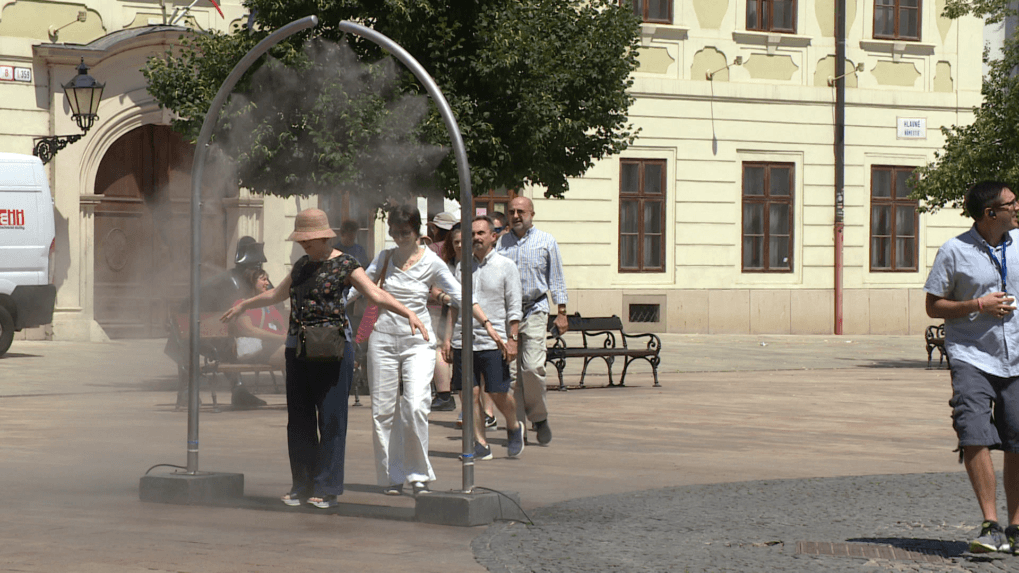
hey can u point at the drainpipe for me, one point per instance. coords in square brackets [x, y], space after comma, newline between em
[840, 153]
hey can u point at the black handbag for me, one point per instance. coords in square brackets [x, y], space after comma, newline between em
[320, 343]
[323, 342]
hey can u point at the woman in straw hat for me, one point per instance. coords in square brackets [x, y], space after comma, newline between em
[317, 391]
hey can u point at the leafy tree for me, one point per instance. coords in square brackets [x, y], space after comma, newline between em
[988, 148]
[538, 87]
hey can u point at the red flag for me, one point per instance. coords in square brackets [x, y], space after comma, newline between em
[217, 9]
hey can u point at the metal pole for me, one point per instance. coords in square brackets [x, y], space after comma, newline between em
[466, 210]
[201, 150]
[840, 153]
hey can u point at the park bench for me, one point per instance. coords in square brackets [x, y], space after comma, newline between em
[217, 353]
[601, 337]
[935, 338]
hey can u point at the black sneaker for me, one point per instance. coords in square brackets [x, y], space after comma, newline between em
[991, 538]
[241, 399]
[440, 405]
[1012, 535]
[544, 432]
[490, 421]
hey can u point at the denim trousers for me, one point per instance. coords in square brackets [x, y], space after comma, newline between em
[317, 422]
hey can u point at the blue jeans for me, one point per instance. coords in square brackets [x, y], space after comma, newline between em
[317, 422]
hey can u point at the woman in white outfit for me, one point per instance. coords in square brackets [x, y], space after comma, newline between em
[396, 359]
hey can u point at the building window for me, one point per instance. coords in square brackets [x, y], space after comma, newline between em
[493, 202]
[897, 19]
[642, 215]
[772, 15]
[768, 217]
[659, 11]
[893, 220]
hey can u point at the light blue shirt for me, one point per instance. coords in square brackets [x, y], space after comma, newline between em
[964, 270]
[536, 256]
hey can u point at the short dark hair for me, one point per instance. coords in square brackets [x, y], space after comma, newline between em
[487, 219]
[500, 217]
[406, 215]
[981, 196]
[349, 226]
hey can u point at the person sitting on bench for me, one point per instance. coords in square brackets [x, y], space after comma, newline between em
[260, 332]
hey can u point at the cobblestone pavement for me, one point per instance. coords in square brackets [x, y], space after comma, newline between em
[750, 526]
[81, 422]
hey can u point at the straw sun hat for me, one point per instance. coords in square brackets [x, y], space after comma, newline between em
[311, 224]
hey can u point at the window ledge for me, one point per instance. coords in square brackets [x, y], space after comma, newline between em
[650, 31]
[898, 47]
[771, 40]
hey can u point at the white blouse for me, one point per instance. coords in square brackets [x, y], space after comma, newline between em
[411, 288]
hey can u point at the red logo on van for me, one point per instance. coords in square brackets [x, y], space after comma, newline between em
[12, 218]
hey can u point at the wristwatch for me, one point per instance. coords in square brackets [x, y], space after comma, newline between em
[513, 337]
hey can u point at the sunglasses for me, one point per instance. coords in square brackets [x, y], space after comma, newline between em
[498, 229]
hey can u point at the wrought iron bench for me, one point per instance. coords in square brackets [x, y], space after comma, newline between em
[600, 336]
[935, 338]
[216, 351]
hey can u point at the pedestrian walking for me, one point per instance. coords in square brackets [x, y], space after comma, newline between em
[496, 285]
[972, 287]
[536, 255]
[444, 401]
[317, 391]
[401, 366]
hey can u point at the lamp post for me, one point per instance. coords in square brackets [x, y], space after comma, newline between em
[83, 94]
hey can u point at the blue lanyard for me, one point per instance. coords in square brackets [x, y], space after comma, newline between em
[1002, 264]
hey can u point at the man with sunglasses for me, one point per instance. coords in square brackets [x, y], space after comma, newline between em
[972, 286]
[499, 220]
[536, 255]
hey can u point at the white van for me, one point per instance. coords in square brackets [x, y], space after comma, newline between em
[27, 237]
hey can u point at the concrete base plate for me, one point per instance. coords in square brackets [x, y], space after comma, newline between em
[467, 509]
[186, 489]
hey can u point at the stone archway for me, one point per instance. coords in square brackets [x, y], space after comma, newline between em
[142, 245]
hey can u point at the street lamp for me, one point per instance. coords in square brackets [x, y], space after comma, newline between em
[83, 94]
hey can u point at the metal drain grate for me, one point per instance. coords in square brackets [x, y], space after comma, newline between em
[867, 550]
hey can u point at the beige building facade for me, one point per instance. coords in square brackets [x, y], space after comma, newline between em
[733, 171]
[719, 219]
[122, 192]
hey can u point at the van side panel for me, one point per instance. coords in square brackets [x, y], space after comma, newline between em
[26, 221]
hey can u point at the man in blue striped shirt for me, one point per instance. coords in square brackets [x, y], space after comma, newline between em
[536, 255]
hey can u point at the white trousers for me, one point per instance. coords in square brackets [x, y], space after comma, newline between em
[400, 423]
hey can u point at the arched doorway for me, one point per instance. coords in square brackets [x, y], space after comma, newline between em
[142, 229]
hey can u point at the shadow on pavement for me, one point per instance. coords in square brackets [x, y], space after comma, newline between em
[938, 546]
[897, 363]
[11, 355]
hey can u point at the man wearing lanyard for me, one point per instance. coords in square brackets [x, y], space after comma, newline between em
[970, 286]
[536, 255]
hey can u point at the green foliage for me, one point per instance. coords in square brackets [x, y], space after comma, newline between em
[993, 11]
[989, 147]
[538, 87]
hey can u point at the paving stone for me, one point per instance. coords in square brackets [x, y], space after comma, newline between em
[913, 522]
